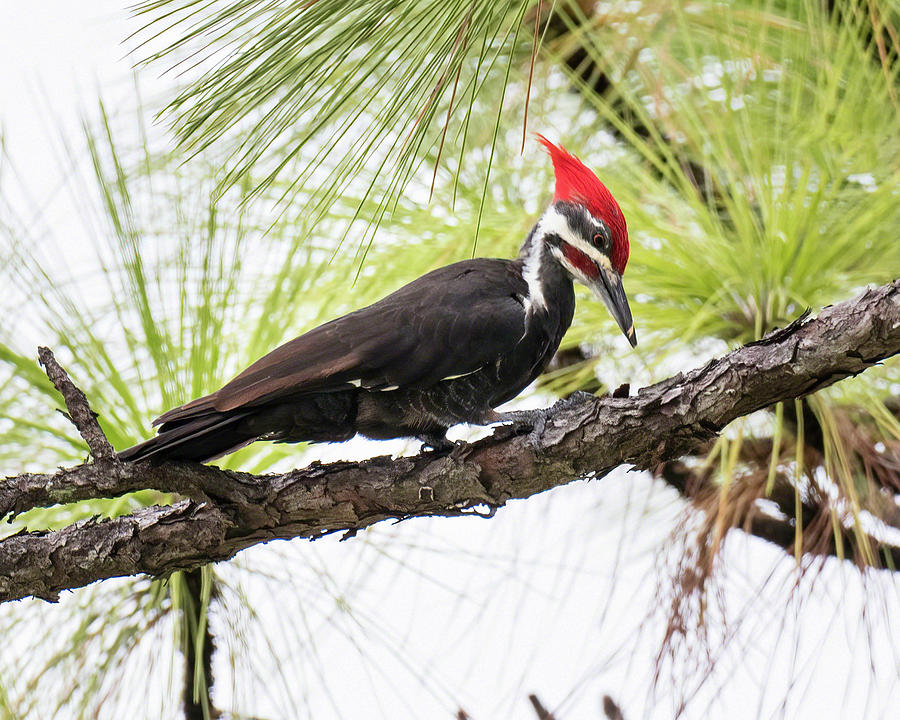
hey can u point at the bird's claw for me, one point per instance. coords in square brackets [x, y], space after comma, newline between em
[438, 443]
[516, 421]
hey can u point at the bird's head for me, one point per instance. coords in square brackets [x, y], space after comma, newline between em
[585, 232]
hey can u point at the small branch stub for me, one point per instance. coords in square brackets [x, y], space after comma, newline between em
[83, 418]
[539, 709]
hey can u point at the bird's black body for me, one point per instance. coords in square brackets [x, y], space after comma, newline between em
[444, 349]
[447, 348]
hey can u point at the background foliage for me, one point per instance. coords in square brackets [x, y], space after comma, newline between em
[328, 153]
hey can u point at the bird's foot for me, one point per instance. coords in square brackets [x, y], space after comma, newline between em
[518, 422]
[437, 443]
[576, 398]
[520, 418]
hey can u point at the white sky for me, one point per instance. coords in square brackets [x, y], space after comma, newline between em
[55, 56]
[539, 599]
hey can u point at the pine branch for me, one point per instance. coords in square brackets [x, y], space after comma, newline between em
[225, 512]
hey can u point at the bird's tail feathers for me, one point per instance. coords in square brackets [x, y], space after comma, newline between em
[198, 439]
[196, 409]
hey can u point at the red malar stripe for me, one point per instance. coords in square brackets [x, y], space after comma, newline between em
[581, 261]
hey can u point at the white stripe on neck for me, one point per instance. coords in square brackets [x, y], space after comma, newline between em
[532, 272]
[552, 222]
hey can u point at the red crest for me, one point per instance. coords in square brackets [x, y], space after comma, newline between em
[577, 183]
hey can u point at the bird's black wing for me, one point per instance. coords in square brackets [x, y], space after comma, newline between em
[447, 323]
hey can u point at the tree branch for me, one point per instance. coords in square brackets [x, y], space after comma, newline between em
[229, 511]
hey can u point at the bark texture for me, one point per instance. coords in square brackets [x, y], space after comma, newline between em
[224, 512]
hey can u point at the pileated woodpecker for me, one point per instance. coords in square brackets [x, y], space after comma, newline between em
[444, 349]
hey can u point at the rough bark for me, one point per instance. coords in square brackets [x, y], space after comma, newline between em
[224, 512]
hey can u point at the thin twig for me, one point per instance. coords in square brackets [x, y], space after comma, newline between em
[612, 711]
[83, 418]
[542, 712]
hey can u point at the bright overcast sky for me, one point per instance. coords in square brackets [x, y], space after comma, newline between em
[54, 57]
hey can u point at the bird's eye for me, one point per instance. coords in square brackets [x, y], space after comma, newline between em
[600, 241]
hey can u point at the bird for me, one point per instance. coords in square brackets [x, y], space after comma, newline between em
[447, 348]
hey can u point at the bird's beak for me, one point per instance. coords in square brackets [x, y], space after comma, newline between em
[608, 287]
